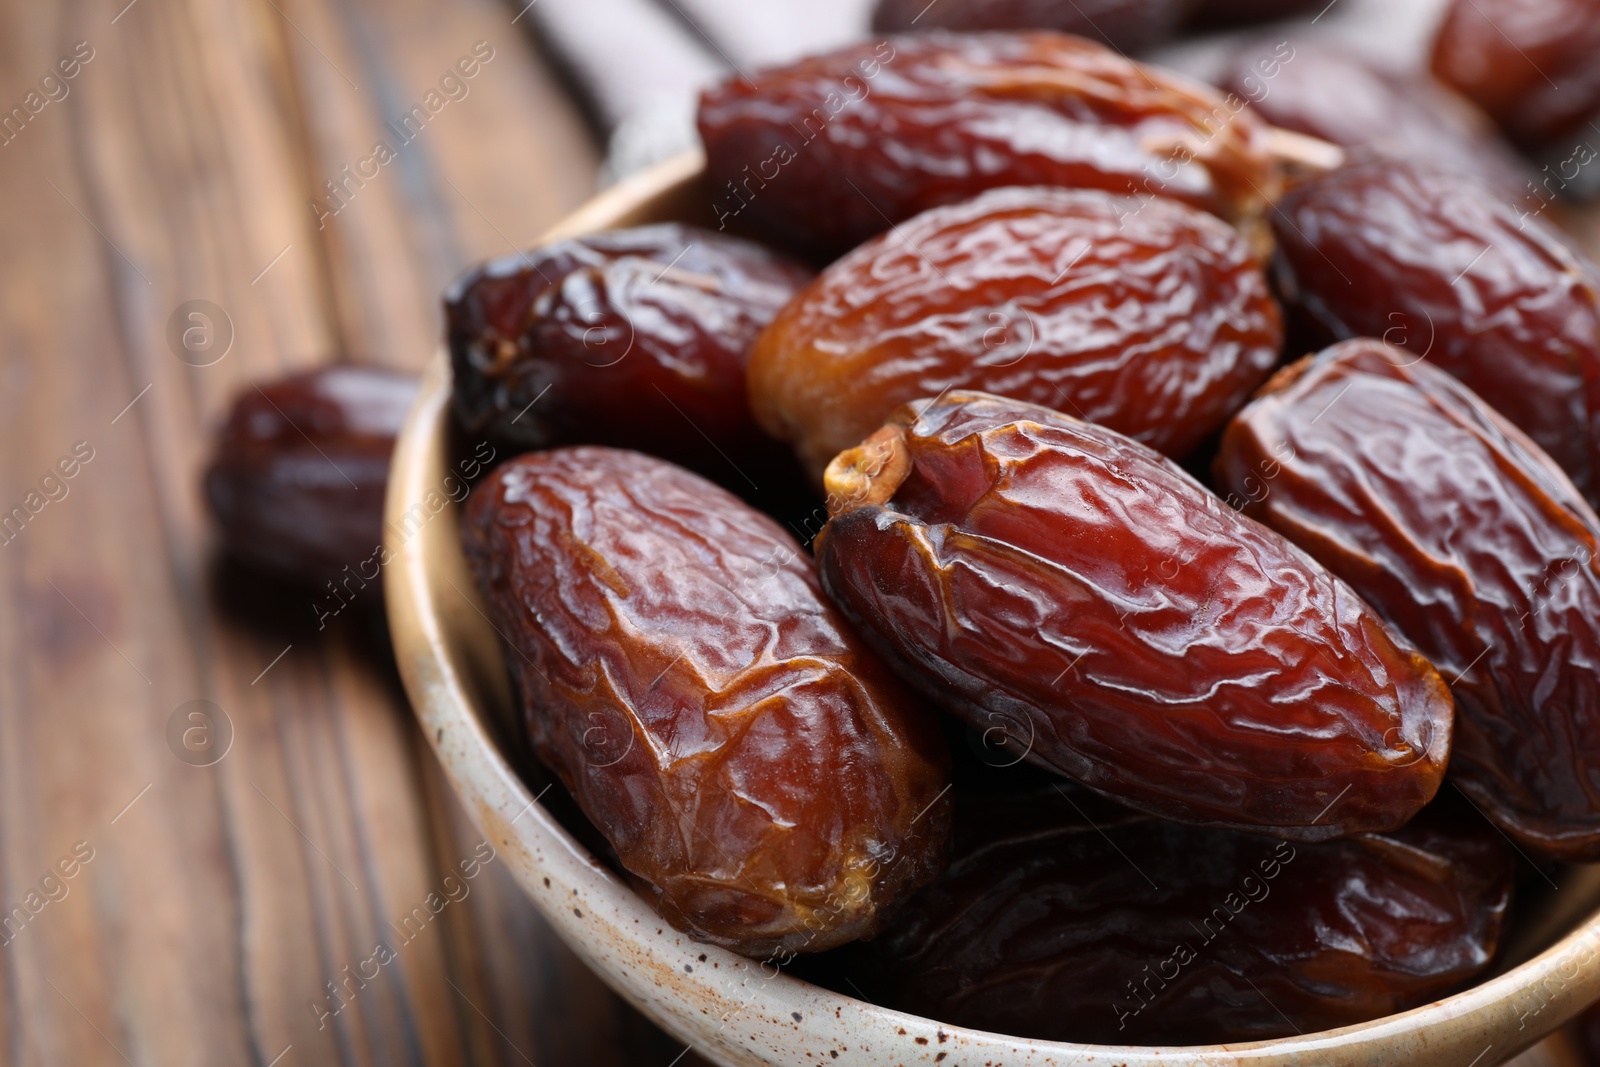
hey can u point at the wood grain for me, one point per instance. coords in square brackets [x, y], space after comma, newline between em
[220, 901]
[187, 162]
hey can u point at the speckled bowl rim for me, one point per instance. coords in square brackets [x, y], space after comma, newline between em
[736, 1011]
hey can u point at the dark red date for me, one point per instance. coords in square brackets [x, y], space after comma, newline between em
[1052, 579]
[836, 148]
[1471, 542]
[1448, 271]
[634, 337]
[1148, 316]
[298, 469]
[1531, 65]
[765, 779]
[1126, 25]
[1062, 923]
[1334, 93]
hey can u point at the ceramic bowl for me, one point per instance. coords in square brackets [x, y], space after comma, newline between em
[735, 1011]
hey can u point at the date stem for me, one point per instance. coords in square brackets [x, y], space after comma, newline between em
[868, 473]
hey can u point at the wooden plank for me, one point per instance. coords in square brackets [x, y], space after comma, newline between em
[497, 166]
[220, 900]
[105, 632]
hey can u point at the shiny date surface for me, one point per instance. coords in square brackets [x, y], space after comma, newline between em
[1448, 271]
[1148, 316]
[836, 148]
[1064, 922]
[1055, 580]
[764, 778]
[1471, 542]
[634, 337]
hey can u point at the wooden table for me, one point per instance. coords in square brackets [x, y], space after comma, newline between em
[163, 912]
[209, 907]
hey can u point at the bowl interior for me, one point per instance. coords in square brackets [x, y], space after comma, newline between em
[734, 1010]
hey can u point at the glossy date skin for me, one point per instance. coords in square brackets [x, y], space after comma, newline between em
[1471, 542]
[1147, 316]
[1529, 63]
[1052, 579]
[765, 779]
[1334, 93]
[298, 469]
[634, 337]
[829, 151]
[1126, 25]
[1063, 923]
[1448, 271]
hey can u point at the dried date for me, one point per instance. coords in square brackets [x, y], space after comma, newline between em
[1443, 268]
[634, 337]
[1060, 923]
[1055, 580]
[1126, 25]
[1530, 65]
[1371, 461]
[765, 779]
[1336, 94]
[836, 148]
[1147, 316]
[298, 469]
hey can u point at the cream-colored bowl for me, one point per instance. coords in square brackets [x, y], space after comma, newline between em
[733, 1010]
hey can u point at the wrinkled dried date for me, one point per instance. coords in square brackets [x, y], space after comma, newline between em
[298, 469]
[1529, 65]
[1063, 924]
[1444, 269]
[1126, 25]
[1054, 579]
[1149, 317]
[754, 765]
[1327, 91]
[1372, 462]
[634, 337]
[833, 149]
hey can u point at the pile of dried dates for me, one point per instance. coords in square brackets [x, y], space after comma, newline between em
[947, 565]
